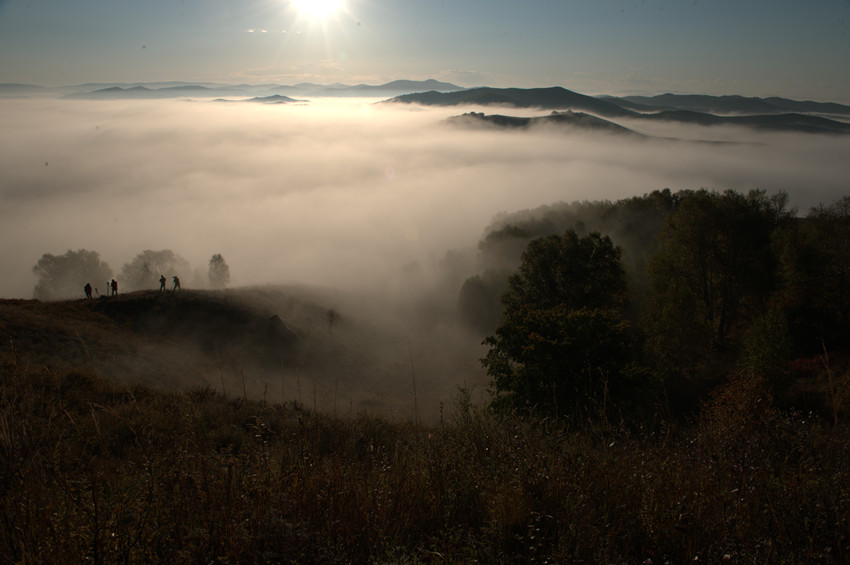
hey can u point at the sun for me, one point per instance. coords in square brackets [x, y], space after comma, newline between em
[317, 9]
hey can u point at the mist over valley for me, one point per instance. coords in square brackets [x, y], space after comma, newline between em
[350, 281]
[373, 210]
[340, 190]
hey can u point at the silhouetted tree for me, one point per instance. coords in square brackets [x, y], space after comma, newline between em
[145, 269]
[219, 272]
[563, 346]
[64, 276]
[577, 272]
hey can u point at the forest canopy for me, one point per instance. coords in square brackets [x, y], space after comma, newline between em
[697, 287]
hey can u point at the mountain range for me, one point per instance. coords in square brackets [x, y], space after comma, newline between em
[211, 90]
[554, 98]
[772, 114]
[558, 98]
[726, 104]
[144, 93]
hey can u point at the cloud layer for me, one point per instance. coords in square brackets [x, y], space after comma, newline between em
[335, 193]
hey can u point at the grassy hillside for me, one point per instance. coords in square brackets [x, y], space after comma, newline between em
[269, 343]
[96, 471]
[147, 429]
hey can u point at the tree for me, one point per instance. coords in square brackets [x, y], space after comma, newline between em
[816, 270]
[144, 270]
[766, 347]
[64, 276]
[563, 346]
[714, 271]
[577, 272]
[219, 272]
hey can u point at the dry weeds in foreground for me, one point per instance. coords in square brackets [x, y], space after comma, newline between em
[94, 471]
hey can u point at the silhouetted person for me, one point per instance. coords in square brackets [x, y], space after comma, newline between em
[114, 285]
[162, 284]
[176, 284]
[87, 288]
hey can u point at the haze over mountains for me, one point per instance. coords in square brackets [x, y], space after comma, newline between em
[569, 118]
[162, 90]
[775, 116]
[772, 114]
[726, 104]
[298, 188]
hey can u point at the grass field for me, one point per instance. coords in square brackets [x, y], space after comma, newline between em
[104, 469]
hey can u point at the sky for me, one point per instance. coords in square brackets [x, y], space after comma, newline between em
[787, 48]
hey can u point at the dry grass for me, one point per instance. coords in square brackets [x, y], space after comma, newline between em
[268, 343]
[113, 471]
[95, 471]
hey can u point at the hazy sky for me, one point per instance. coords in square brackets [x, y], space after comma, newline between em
[753, 47]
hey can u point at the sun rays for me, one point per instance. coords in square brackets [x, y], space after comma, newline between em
[317, 10]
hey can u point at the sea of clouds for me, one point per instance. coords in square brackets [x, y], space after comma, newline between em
[338, 193]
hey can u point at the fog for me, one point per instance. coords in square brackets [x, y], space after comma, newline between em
[337, 193]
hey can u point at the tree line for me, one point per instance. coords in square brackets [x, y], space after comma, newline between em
[63, 276]
[643, 306]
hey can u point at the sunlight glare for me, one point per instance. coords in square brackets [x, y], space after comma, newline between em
[317, 9]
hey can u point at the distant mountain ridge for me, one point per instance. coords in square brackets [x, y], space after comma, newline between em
[209, 90]
[772, 114]
[144, 93]
[727, 104]
[18, 90]
[561, 99]
[553, 98]
[393, 88]
[803, 123]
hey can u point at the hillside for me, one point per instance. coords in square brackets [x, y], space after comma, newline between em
[555, 98]
[273, 99]
[267, 343]
[762, 115]
[99, 464]
[801, 123]
[568, 119]
[728, 104]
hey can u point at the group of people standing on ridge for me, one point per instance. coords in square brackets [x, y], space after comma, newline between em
[113, 286]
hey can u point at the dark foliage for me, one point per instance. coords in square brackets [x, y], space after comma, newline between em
[562, 346]
[716, 283]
